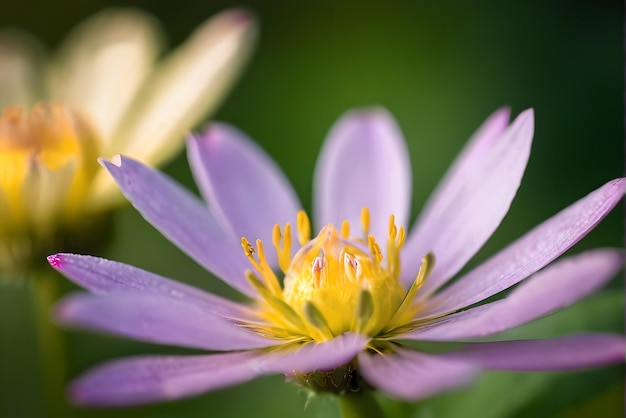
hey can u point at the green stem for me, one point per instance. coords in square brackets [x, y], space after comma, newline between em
[360, 405]
[51, 346]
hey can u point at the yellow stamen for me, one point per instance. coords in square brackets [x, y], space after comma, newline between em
[375, 248]
[283, 252]
[395, 241]
[304, 228]
[401, 238]
[428, 262]
[365, 221]
[334, 284]
[345, 229]
[248, 250]
[393, 230]
[266, 272]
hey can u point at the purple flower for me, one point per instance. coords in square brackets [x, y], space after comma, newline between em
[351, 293]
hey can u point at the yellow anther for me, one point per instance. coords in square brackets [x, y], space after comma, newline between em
[345, 229]
[287, 243]
[304, 228]
[394, 243]
[266, 272]
[276, 237]
[283, 252]
[401, 238]
[393, 230]
[365, 221]
[248, 249]
[374, 248]
[428, 262]
[261, 255]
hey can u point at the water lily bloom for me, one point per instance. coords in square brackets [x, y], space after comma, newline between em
[105, 92]
[331, 311]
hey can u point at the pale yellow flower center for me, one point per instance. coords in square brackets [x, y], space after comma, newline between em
[47, 158]
[336, 283]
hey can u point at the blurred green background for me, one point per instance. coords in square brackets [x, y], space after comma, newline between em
[440, 68]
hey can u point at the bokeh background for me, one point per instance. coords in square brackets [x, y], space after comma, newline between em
[440, 68]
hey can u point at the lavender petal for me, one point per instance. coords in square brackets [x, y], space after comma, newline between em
[364, 162]
[242, 185]
[556, 287]
[183, 219]
[147, 379]
[102, 276]
[564, 353]
[158, 319]
[529, 253]
[471, 208]
[410, 375]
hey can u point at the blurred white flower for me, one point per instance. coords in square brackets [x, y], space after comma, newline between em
[105, 92]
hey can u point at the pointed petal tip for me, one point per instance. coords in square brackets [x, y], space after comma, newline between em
[213, 134]
[55, 260]
[503, 111]
[614, 189]
[375, 122]
[240, 16]
[501, 115]
[62, 311]
[193, 138]
[115, 161]
[238, 22]
[527, 117]
[210, 132]
[367, 114]
[77, 395]
[619, 182]
[122, 14]
[73, 394]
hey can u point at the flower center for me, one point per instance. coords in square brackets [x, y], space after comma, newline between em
[47, 161]
[47, 157]
[335, 283]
